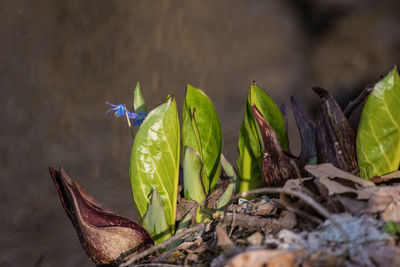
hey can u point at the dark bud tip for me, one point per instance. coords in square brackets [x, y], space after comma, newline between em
[320, 91]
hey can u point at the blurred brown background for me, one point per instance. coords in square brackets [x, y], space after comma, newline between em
[61, 60]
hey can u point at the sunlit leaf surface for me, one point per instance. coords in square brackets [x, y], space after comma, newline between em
[201, 130]
[154, 160]
[251, 148]
[378, 137]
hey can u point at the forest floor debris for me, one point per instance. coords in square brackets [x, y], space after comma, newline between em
[332, 219]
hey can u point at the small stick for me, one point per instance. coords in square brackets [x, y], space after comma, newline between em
[233, 223]
[289, 207]
[359, 99]
[276, 190]
[162, 245]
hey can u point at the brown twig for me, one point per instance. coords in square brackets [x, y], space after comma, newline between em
[276, 190]
[360, 98]
[289, 207]
[247, 221]
[162, 245]
[233, 223]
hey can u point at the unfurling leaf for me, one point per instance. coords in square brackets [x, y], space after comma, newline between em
[335, 139]
[307, 133]
[231, 189]
[271, 113]
[201, 130]
[277, 166]
[192, 176]
[378, 137]
[154, 221]
[138, 101]
[250, 141]
[154, 162]
[103, 234]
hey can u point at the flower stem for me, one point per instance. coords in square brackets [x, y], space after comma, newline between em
[129, 124]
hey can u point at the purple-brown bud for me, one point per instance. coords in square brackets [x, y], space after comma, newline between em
[278, 166]
[103, 234]
[335, 139]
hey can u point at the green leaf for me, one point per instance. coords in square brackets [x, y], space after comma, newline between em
[228, 168]
[378, 136]
[154, 221]
[201, 130]
[251, 147]
[192, 176]
[138, 100]
[271, 113]
[231, 189]
[183, 224]
[226, 196]
[154, 160]
[392, 228]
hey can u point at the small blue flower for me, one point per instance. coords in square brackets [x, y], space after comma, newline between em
[120, 111]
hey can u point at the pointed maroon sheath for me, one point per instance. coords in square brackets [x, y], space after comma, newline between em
[335, 139]
[278, 166]
[103, 234]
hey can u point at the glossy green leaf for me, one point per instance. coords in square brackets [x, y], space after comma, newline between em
[378, 136]
[200, 117]
[251, 148]
[192, 176]
[138, 101]
[271, 113]
[154, 221]
[154, 160]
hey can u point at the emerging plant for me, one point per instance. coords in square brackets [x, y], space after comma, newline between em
[363, 139]
[104, 235]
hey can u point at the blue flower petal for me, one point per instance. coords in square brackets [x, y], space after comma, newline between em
[119, 110]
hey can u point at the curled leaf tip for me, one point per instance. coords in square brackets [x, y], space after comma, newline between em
[320, 91]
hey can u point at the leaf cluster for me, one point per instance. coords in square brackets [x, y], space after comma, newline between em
[363, 139]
